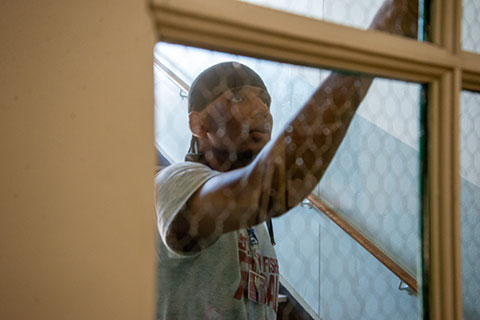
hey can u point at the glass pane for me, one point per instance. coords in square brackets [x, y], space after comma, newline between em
[358, 14]
[471, 26]
[372, 183]
[470, 202]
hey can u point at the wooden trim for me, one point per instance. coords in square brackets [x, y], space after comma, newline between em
[246, 29]
[456, 88]
[430, 245]
[436, 22]
[457, 26]
[445, 282]
[470, 71]
[471, 82]
[443, 196]
[446, 24]
[251, 30]
[444, 233]
[365, 243]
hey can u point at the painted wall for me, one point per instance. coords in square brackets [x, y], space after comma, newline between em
[76, 123]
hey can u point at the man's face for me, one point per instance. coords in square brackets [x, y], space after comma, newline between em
[238, 121]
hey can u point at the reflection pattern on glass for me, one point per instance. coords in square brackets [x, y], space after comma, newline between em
[471, 25]
[358, 14]
[470, 202]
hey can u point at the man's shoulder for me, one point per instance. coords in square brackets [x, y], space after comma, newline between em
[184, 170]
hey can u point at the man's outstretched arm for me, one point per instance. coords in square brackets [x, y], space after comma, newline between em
[292, 164]
[320, 126]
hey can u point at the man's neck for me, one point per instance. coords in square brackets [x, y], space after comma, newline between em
[224, 161]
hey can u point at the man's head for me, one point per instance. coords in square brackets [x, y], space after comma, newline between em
[229, 111]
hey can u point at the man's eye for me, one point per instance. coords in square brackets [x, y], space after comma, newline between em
[237, 99]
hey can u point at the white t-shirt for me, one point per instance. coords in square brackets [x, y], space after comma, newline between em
[213, 283]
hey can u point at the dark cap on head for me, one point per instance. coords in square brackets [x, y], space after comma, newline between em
[214, 81]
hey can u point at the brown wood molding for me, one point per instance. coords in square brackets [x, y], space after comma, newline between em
[364, 242]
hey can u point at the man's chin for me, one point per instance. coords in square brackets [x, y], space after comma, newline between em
[252, 150]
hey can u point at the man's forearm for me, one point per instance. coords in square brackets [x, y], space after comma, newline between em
[398, 17]
[314, 135]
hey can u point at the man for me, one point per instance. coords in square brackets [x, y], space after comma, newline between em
[216, 259]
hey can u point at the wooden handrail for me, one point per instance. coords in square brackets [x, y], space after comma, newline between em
[364, 242]
[329, 212]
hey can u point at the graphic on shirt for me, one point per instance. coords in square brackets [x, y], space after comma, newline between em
[259, 275]
[256, 287]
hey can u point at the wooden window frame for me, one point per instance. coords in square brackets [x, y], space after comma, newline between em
[251, 30]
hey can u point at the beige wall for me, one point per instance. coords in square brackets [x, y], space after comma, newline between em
[76, 128]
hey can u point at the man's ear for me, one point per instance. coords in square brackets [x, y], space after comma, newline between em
[196, 124]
